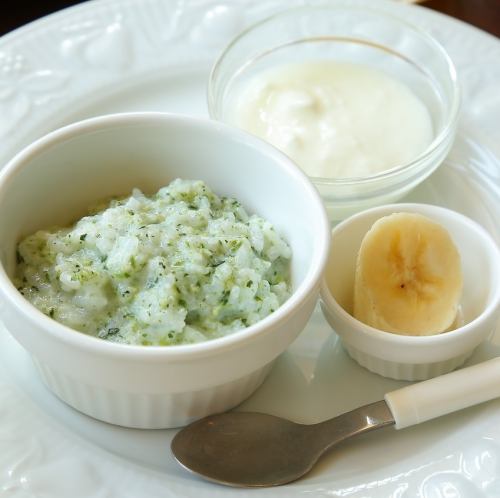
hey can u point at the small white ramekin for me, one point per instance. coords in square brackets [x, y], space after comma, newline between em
[410, 357]
[56, 179]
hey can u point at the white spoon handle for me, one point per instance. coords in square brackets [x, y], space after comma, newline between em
[445, 394]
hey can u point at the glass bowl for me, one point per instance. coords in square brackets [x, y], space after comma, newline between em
[343, 33]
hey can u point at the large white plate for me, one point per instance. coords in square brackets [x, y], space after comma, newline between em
[116, 55]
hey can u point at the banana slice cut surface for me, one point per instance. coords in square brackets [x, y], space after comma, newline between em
[408, 276]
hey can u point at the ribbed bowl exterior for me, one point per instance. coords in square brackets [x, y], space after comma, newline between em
[146, 410]
[157, 387]
[414, 357]
[405, 371]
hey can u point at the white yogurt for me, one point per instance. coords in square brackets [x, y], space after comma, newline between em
[335, 119]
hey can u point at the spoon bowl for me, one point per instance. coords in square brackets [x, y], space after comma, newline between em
[255, 450]
[209, 449]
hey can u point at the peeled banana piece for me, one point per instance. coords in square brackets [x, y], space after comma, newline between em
[408, 276]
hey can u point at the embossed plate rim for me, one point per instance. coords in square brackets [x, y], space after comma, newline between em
[37, 452]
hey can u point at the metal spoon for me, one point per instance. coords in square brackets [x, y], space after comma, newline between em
[254, 449]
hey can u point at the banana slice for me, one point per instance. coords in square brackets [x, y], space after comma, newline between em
[408, 276]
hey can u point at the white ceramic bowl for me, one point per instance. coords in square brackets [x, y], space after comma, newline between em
[410, 357]
[54, 180]
[341, 31]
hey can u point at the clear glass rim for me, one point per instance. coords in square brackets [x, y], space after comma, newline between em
[452, 111]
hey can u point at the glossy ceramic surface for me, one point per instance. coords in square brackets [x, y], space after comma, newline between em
[157, 387]
[411, 357]
[124, 55]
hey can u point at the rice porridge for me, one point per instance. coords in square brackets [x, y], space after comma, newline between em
[178, 267]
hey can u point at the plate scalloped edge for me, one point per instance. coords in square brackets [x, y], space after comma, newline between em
[72, 54]
[91, 46]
